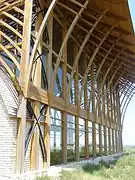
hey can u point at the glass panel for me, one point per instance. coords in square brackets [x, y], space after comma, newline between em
[102, 134]
[82, 137]
[72, 89]
[97, 139]
[58, 81]
[90, 137]
[114, 142]
[111, 140]
[55, 137]
[70, 138]
[107, 140]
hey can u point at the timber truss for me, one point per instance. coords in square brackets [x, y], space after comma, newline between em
[86, 39]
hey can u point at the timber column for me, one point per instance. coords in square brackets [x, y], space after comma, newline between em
[86, 120]
[94, 112]
[119, 122]
[64, 94]
[22, 79]
[100, 116]
[105, 120]
[48, 73]
[77, 157]
[36, 105]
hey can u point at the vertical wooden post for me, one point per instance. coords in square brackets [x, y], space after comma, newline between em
[26, 41]
[108, 119]
[86, 120]
[100, 116]
[119, 121]
[109, 140]
[64, 93]
[35, 143]
[78, 107]
[117, 141]
[121, 141]
[36, 82]
[105, 140]
[111, 119]
[76, 122]
[76, 119]
[86, 140]
[48, 73]
[64, 137]
[23, 75]
[114, 121]
[77, 156]
[49, 57]
[118, 137]
[105, 134]
[113, 145]
[21, 137]
[47, 137]
[35, 140]
[116, 113]
[93, 111]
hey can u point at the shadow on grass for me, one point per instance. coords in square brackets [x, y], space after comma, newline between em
[91, 168]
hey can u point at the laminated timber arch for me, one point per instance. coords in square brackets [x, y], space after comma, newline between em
[75, 57]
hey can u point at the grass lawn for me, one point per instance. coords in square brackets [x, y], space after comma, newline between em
[122, 169]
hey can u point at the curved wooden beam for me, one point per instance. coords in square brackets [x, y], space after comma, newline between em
[71, 28]
[11, 28]
[15, 8]
[104, 59]
[11, 5]
[77, 3]
[81, 49]
[93, 57]
[128, 88]
[117, 82]
[126, 95]
[114, 74]
[13, 18]
[11, 41]
[123, 86]
[10, 56]
[12, 75]
[38, 38]
[110, 67]
[109, 84]
[126, 101]
[105, 76]
[123, 97]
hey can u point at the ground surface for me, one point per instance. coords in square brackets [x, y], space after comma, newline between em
[119, 169]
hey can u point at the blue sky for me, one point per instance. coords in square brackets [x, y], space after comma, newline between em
[129, 123]
[132, 10]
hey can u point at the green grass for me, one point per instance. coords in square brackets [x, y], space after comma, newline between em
[121, 169]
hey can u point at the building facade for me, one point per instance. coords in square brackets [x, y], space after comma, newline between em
[66, 79]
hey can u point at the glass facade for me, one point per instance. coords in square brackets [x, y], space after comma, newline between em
[56, 137]
[70, 138]
[82, 138]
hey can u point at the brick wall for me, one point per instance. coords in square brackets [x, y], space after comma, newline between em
[8, 135]
[8, 128]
